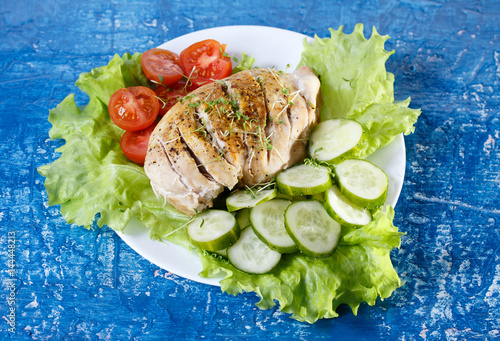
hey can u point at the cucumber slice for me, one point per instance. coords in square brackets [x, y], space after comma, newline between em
[249, 198]
[343, 211]
[331, 139]
[251, 255]
[362, 182]
[313, 230]
[243, 218]
[213, 230]
[304, 179]
[268, 223]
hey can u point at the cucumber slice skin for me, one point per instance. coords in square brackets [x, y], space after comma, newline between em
[249, 254]
[277, 239]
[220, 241]
[290, 197]
[370, 203]
[333, 195]
[303, 189]
[331, 234]
[244, 199]
[336, 132]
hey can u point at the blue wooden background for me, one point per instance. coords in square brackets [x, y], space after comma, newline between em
[75, 284]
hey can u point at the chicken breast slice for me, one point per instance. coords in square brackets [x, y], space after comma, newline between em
[174, 174]
[197, 135]
[226, 129]
[304, 79]
[165, 182]
[278, 125]
[302, 114]
[246, 91]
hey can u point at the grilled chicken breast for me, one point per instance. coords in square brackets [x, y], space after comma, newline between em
[232, 133]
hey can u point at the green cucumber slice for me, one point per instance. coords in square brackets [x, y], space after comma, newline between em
[251, 255]
[304, 179]
[313, 230]
[243, 218]
[333, 138]
[343, 211]
[268, 223]
[213, 230]
[248, 198]
[361, 182]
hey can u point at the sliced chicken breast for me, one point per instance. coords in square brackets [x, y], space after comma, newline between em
[278, 127]
[195, 133]
[169, 161]
[251, 111]
[236, 132]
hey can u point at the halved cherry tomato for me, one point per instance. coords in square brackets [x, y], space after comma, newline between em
[134, 108]
[134, 144]
[170, 95]
[161, 66]
[205, 61]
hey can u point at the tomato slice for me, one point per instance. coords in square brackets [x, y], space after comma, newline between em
[205, 61]
[168, 96]
[134, 108]
[161, 66]
[134, 144]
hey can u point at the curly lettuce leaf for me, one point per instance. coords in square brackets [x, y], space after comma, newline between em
[92, 179]
[245, 63]
[121, 72]
[309, 289]
[382, 122]
[356, 85]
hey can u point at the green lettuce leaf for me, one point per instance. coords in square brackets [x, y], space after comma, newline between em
[382, 122]
[245, 63]
[121, 72]
[356, 85]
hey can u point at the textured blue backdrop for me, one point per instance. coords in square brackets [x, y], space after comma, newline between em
[71, 283]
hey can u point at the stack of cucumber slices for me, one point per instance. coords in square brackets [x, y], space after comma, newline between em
[304, 212]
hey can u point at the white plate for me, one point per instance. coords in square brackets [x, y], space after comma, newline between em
[270, 47]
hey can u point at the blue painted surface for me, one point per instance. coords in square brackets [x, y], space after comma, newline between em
[71, 283]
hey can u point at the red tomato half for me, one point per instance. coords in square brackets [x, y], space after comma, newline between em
[161, 66]
[168, 96]
[134, 108]
[208, 60]
[134, 144]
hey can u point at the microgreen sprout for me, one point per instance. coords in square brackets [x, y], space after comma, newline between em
[239, 115]
[196, 213]
[256, 189]
[317, 163]
[223, 53]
